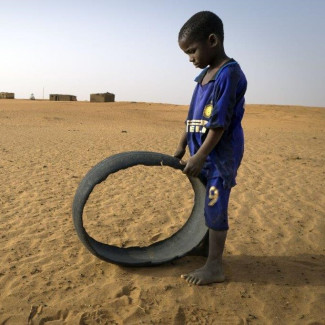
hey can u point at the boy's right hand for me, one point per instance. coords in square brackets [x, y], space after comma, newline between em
[179, 153]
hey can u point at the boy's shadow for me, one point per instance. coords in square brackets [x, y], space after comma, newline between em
[297, 270]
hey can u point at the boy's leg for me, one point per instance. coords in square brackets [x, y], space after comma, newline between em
[216, 215]
[212, 271]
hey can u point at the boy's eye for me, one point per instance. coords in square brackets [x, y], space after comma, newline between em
[191, 51]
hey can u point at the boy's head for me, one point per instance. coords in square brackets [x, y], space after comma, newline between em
[201, 38]
[200, 26]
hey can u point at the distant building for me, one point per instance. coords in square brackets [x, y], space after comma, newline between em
[59, 97]
[7, 95]
[104, 97]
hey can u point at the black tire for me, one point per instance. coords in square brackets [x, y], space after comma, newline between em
[176, 246]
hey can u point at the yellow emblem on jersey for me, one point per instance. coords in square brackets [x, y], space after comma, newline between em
[207, 110]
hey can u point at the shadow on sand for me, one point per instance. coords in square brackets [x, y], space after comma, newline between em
[300, 270]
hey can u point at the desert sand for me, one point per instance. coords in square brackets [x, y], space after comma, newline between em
[275, 251]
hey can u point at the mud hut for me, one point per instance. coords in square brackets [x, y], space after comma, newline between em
[59, 97]
[5, 95]
[104, 97]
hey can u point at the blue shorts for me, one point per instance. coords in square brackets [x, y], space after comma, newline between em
[216, 204]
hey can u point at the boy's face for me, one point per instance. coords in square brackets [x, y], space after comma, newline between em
[201, 53]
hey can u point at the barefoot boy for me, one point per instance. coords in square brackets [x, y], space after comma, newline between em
[213, 133]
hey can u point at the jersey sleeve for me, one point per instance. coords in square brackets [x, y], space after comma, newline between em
[224, 99]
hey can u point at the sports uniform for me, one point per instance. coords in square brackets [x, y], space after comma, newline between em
[219, 103]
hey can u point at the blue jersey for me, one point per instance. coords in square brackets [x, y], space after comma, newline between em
[219, 103]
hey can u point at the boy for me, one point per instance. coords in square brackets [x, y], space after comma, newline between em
[213, 133]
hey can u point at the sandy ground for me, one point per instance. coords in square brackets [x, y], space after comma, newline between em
[275, 252]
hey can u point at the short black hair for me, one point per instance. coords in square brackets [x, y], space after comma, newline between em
[201, 25]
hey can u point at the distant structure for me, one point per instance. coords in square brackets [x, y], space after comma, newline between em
[32, 97]
[104, 97]
[7, 95]
[59, 97]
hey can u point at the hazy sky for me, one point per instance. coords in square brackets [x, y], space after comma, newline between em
[129, 47]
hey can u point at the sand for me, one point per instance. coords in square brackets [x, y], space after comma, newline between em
[275, 252]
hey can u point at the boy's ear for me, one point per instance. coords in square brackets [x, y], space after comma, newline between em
[213, 40]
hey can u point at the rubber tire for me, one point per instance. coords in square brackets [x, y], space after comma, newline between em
[176, 246]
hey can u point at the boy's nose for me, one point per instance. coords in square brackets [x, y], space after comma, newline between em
[191, 59]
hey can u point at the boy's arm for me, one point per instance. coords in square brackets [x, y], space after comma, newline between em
[195, 163]
[181, 148]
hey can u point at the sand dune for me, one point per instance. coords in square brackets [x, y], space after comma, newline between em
[275, 253]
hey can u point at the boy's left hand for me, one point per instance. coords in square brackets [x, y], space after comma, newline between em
[194, 165]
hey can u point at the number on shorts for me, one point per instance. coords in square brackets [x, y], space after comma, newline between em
[213, 196]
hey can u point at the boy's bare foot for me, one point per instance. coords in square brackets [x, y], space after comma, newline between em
[211, 272]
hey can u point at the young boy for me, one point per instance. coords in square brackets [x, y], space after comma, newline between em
[213, 133]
